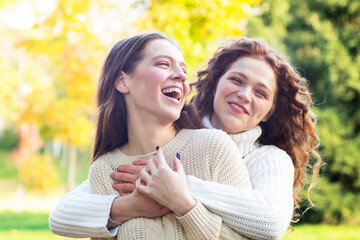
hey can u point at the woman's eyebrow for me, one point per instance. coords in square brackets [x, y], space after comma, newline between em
[239, 73]
[246, 78]
[264, 86]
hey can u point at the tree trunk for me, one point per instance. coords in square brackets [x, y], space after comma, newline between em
[72, 168]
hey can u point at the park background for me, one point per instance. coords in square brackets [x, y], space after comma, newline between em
[51, 53]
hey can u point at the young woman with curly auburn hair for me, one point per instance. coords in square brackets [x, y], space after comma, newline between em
[290, 125]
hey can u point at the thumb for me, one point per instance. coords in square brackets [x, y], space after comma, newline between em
[178, 164]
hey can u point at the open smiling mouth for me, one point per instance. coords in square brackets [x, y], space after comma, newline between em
[172, 92]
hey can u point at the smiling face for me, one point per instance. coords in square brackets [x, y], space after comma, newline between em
[244, 95]
[157, 88]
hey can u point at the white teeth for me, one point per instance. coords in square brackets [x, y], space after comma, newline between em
[171, 89]
[237, 107]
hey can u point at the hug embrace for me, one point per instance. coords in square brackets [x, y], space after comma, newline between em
[227, 165]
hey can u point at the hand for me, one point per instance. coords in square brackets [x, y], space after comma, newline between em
[135, 205]
[125, 176]
[167, 187]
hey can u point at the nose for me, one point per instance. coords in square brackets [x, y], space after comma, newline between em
[179, 74]
[244, 94]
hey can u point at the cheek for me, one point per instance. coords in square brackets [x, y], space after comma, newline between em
[186, 88]
[222, 91]
[217, 98]
[153, 77]
[264, 110]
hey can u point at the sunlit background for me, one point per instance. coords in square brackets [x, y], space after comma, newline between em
[51, 52]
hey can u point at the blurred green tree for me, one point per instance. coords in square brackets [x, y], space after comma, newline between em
[323, 42]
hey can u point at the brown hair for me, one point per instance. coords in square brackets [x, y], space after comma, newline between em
[111, 130]
[291, 126]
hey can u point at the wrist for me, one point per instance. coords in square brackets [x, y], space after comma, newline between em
[184, 206]
[122, 209]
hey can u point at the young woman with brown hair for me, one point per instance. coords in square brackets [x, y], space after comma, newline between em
[141, 94]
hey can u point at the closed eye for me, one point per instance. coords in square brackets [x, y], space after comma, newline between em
[262, 94]
[237, 80]
[163, 64]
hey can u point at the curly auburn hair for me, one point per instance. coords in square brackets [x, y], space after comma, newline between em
[291, 126]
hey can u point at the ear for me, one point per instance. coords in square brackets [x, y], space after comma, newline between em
[121, 83]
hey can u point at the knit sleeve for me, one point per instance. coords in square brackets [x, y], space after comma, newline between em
[261, 213]
[227, 167]
[99, 177]
[80, 214]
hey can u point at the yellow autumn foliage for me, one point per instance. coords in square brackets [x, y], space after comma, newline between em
[38, 173]
[197, 25]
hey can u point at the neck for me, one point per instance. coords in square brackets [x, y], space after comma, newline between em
[144, 138]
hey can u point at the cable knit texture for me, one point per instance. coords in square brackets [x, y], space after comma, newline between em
[263, 212]
[206, 154]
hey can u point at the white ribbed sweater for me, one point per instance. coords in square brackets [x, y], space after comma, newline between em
[207, 154]
[263, 213]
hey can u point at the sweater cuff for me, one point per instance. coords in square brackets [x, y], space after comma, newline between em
[78, 217]
[199, 219]
[112, 223]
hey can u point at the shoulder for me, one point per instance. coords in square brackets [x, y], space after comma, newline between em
[100, 161]
[269, 155]
[210, 142]
[269, 150]
[210, 134]
[213, 142]
[104, 162]
[214, 138]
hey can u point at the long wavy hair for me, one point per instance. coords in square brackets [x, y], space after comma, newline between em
[112, 128]
[291, 126]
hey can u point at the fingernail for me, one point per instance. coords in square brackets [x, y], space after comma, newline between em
[178, 155]
[157, 148]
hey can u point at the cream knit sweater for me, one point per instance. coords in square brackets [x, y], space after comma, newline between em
[262, 213]
[207, 154]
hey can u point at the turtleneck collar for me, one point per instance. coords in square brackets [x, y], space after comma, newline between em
[245, 141]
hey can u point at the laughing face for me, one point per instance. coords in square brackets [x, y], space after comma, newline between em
[157, 88]
[244, 95]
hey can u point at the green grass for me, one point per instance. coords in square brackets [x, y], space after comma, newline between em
[29, 235]
[324, 232]
[23, 221]
[34, 226]
[26, 226]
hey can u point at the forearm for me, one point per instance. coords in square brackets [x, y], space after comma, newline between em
[80, 214]
[124, 208]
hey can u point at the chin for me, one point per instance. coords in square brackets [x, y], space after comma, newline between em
[234, 129]
[171, 117]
